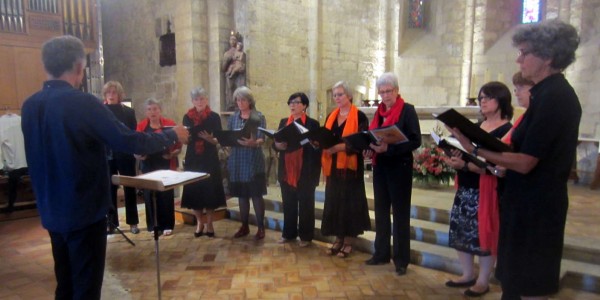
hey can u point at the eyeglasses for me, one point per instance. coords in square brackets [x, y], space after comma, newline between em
[383, 92]
[523, 53]
[486, 98]
[338, 95]
[294, 102]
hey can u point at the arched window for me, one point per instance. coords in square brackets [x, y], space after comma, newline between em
[531, 12]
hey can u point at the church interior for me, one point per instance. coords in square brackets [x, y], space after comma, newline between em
[441, 51]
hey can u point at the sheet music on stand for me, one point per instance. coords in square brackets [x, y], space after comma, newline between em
[161, 180]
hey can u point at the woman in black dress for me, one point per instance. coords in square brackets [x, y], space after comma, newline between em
[202, 156]
[298, 172]
[345, 213]
[535, 197]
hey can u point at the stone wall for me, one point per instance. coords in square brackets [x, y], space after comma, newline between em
[308, 45]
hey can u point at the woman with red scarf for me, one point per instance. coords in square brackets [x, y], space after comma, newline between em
[345, 212]
[165, 160]
[202, 156]
[298, 171]
[392, 175]
[474, 218]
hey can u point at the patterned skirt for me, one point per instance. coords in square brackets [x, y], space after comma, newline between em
[464, 224]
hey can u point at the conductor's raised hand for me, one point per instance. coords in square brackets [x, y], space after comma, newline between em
[183, 135]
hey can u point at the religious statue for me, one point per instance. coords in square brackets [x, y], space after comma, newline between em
[234, 66]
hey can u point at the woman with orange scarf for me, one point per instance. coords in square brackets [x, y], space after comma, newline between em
[165, 160]
[298, 172]
[202, 156]
[392, 175]
[346, 213]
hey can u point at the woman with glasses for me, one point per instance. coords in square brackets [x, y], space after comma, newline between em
[345, 213]
[474, 217]
[392, 175]
[535, 199]
[299, 168]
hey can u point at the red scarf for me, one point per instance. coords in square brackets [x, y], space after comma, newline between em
[488, 215]
[141, 126]
[293, 160]
[391, 117]
[508, 136]
[197, 119]
[344, 161]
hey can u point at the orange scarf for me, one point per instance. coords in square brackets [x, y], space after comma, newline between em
[293, 160]
[344, 161]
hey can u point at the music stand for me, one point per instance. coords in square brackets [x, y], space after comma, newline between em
[161, 180]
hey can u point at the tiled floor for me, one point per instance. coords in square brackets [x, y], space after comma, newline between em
[226, 268]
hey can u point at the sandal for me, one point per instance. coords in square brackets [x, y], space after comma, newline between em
[345, 251]
[335, 248]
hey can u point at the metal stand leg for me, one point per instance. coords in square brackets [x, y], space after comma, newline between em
[157, 255]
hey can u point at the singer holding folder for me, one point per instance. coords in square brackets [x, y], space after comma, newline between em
[535, 198]
[299, 168]
[474, 218]
[163, 160]
[246, 163]
[345, 212]
[392, 175]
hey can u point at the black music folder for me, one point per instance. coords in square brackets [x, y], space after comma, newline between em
[292, 134]
[478, 136]
[323, 138]
[448, 144]
[229, 138]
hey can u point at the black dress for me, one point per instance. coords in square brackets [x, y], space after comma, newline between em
[206, 193]
[464, 222]
[346, 212]
[534, 205]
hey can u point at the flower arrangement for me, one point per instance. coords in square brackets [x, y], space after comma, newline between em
[430, 165]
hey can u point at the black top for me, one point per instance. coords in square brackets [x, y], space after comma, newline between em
[534, 205]
[209, 159]
[471, 179]
[409, 125]
[311, 157]
[127, 116]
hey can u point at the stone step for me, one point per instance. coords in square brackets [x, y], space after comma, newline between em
[434, 254]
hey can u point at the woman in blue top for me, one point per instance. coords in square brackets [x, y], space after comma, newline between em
[246, 163]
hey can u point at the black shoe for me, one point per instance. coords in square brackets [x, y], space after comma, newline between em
[471, 293]
[210, 234]
[198, 234]
[469, 283]
[374, 262]
[401, 271]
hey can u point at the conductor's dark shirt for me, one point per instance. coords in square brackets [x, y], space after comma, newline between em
[65, 132]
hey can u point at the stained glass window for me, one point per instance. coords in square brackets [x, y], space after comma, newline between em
[415, 14]
[531, 11]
